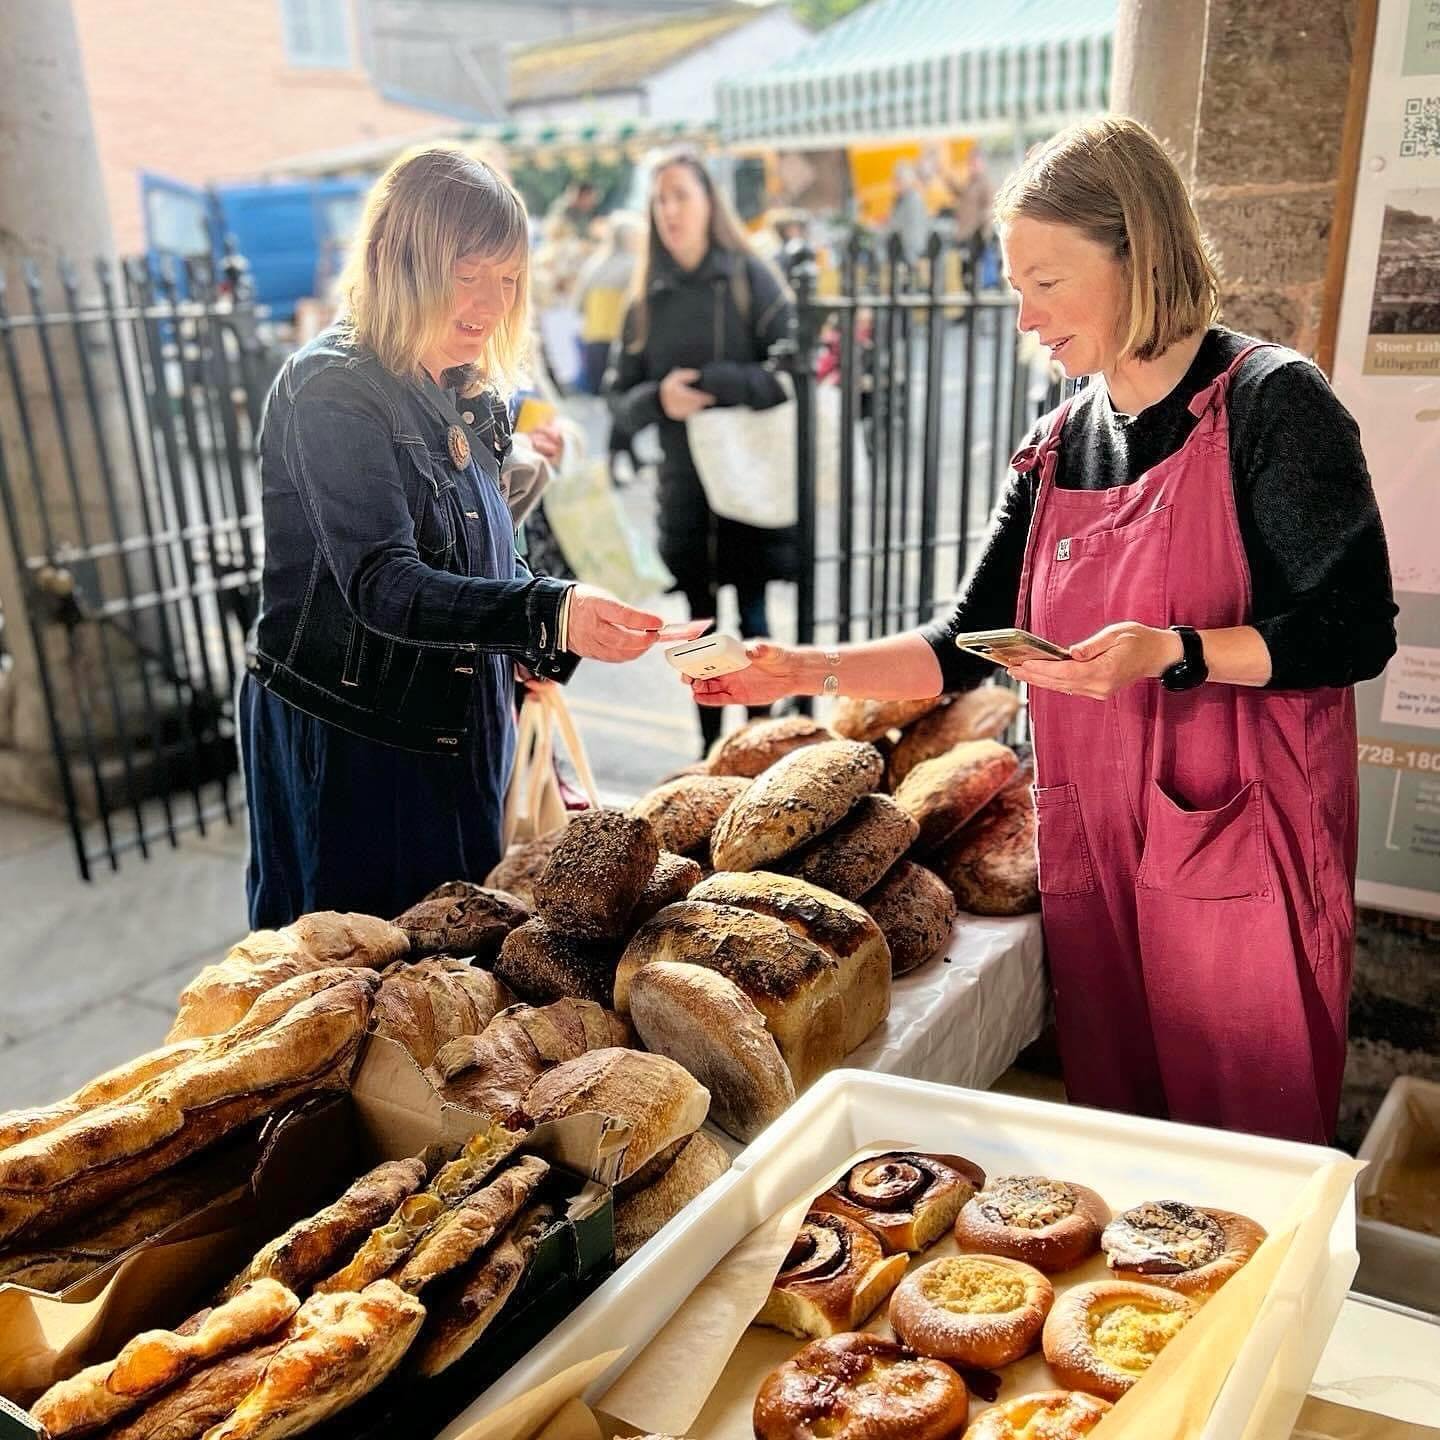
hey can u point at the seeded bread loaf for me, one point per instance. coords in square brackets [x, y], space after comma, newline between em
[854, 856]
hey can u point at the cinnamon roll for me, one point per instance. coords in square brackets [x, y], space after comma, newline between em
[978, 1312]
[860, 1387]
[905, 1199]
[835, 1277]
[1045, 1415]
[1102, 1337]
[1182, 1247]
[1050, 1224]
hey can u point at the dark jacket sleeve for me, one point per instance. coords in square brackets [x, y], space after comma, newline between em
[346, 470]
[771, 318]
[1320, 569]
[633, 397]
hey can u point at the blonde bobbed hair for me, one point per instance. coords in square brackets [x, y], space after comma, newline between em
[1113, 180]
[435, 204]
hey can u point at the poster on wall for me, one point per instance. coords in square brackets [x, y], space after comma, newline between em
[1387, 372]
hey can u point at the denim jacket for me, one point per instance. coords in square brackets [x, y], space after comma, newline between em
[392, 598]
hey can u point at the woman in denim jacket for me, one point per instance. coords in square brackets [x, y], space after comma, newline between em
[377, 717]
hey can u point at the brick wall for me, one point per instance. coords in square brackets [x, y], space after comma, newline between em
[205, 92]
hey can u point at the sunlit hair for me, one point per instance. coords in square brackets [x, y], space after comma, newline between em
[435, 204]
[726, 233]
[1114, 181]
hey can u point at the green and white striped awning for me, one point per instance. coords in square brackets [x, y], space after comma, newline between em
[906, 67]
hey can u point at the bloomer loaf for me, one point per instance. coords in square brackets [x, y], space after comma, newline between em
[907, 1200]
[976, 1311]
[1182, 1247]
[1045, 1415]
[1050, 1224]
[1102, 1337]
[834, 1278]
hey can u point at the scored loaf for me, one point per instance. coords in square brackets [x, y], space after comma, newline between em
[979, 714]
[639, 1216]
[990, 863]
[916, 912]
[595, 875]
[799, 797]
[428, 1004]
[754, 748]
[940, 795]
[873, 719]
[682, 812]
[460, 918]
[851, 858]
[541, 964]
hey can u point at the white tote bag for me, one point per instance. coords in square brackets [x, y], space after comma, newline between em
[534, 804]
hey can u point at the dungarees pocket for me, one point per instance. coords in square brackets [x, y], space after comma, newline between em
[1207, 854]
[1062, 850]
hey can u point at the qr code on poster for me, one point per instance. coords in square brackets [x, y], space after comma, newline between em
[1420, 135]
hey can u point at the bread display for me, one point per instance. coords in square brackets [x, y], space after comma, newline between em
[222, 994]
[915, 912]
[792, 982]
[852, 857]
[1050, 1224]
[595, 875]
[492, 1072]
[990, 863]
[861, 1387]
[906, 1199]
[313, 1247]
[644, 1212]
[461, 918]
[974, 1311]
[799, 797]
[871, 720]
[541, 965]
[682, 812]
[428, 1004]
[1044, 1415]
[835, 1278]
[754, 748]
[979, 714]
[843, 930]
[674, 877]
[158, 1358]
[940, 795]
[657, 1099]
[1183, 1247]
[520, 866]
[1102, 1337]
[708, 1024]
[108, 1150]
[459, 1315]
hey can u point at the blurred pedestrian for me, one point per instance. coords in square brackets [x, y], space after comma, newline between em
[601, 294]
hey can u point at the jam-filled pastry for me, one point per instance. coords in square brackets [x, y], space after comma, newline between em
[975, 1311]
[1050, 1224]
[1045, 1415]
[1180, 1246]
[835, 1277]
[860, 1387]
[1102, 1337]
[906, 1199]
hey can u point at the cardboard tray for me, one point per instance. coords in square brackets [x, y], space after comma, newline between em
[1126, 1158]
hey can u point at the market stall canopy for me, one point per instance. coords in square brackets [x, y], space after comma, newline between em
[905, 67]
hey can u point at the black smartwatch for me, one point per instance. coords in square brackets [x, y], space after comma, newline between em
[1190, 670]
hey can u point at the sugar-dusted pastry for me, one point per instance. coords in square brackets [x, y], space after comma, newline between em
[860, 1387]
[835, 1277]
[975, 1311]
[907, 1199]
[1050, 1224]
[1102, 1337]
[1045, 1415]
[1179, 1246]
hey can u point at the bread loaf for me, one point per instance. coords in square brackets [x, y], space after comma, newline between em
[674, 878]
[683, 812]
[990, 863]
[916, 912]
[658, 1100]
[521, 865]
[189, 1409]
[873, 719]
[796, 799]
[840, 928]
[541, 964]
[595, 875]
[754, 748]
[979, 714]
[707, 1024]
[459, 918]
[853, 857]
[428, 1004]
[940, 795]
[791, 980]
[641, 1215]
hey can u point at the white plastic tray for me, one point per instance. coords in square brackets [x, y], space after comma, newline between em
[1127, 1159]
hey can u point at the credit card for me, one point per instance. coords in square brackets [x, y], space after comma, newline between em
[687, 630]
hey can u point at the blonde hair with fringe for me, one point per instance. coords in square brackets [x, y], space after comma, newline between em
[435, 204]
[1114, 181]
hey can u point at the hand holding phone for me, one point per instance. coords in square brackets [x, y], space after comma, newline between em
[1010, 647]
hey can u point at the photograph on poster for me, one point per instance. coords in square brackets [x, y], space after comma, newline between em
[1404, 330]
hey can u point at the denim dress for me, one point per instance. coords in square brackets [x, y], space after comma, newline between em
[339, 821]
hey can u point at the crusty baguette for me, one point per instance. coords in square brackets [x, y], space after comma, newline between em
[201, 1400]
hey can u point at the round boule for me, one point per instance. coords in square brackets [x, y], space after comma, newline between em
[854, 856]
[754, 748]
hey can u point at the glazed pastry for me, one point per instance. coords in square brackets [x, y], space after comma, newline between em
[1050, 1224]
[835, 1277]
[1180, 1246]
[1104, 1336]
[860, 1387]
[978, 1312]
[1045, 1415]
[905, 1199]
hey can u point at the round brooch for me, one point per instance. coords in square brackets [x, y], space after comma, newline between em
[458, 443]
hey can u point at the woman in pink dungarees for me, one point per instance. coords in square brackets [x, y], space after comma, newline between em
[1198, 526]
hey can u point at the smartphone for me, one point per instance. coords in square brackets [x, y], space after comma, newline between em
[1009, 647]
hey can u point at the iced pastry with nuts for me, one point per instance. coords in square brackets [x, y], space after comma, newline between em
[1183, 1247]
[1050, 1224]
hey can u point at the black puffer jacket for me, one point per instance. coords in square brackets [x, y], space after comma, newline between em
[696, 322]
